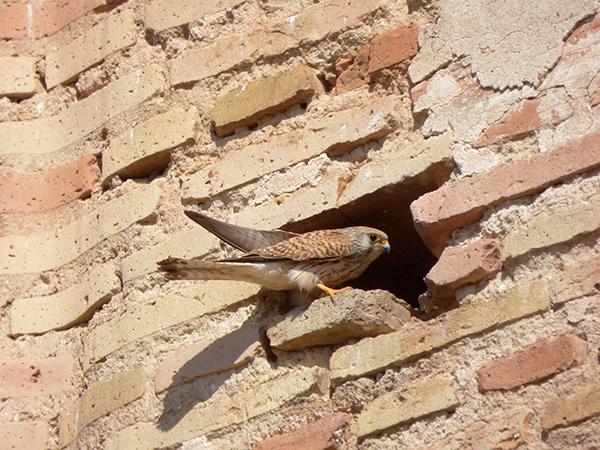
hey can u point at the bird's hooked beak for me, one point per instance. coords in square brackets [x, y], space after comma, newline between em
[386, 246]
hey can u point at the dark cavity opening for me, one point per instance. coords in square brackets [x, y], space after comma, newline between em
[388, 209]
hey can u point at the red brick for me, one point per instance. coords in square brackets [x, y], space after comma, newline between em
[464, 201]
[462, 265]
[533, 363]
[34, 20]
[584, 29]
[24, 435]
[318, 435]
[385, 50]
[50, 189]
[521, 119]
[28, 378]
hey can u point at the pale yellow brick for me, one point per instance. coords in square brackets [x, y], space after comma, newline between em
[553, 227]
[164, 312]
[576, 280]
[339, 131]
[582, 404]
[255, 100]
[143, 149]
[223, 410]
[36, 315]
[187, 243]
[39, 252]
[417, 400]
[371, 355]
[17, 76]
[163, 14]
[83, 117]
[67, 61]
[312, 23]
[98, 400]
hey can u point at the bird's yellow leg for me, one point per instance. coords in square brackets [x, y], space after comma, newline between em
[330, 291]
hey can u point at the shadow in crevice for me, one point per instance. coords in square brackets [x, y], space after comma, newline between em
[203, 374]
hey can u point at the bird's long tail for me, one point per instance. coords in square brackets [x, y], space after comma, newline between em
[195, 269]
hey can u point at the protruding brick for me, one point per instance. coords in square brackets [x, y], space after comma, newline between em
[31, 435]
[464, 201]
[246, 106]
[553, 227]
[163, 14]
[49, 189]
[17, 77]
[100, 399]
[371, 355]
[385, 50]
[144, 149]
[354, 314]
[336, 133]
[418, 400]
[44, 251]
[315, 22]
[582, 404]
[322, 434]
[29, 378]
[219, 354]
[162, 313]
[36, 315]
[49, 134]
[462, 265]
[223, 410]
[33, 20]
[533, 363]
[66, 62]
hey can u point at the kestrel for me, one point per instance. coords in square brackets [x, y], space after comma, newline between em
[282, 260]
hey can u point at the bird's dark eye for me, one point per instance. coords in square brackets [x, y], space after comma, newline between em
[373, 237]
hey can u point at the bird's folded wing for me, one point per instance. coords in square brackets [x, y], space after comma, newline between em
[245, 239]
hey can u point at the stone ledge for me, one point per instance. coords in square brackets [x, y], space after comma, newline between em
[351, 314]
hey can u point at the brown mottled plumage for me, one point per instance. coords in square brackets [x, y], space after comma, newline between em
[282, 260]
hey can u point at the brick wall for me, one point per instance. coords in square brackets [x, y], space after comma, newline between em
[468, 131]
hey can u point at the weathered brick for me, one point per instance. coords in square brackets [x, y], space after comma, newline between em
[247, 105]
[582, 404]
[576, 280]
[223, 410]
[553, 227]
[100, 399]
[29, 378]
[502, 431]
[321, 434]
[461, 202]
[36, 315]
[339, 132]
[49, 189]
[584, 29]
[417, 400]
[216, 355]
[164, 312]
[371, 355]
[463, 264]
[33, 20]
[32, 435]
[187, 243]
[17, 78]
[533, 363]
[385, 50]
[39, 252]
[354, 314]
[49, 134]
[163, 14]
[67, 61]
[144, 148]
[313, 23]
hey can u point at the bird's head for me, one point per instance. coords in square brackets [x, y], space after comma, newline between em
[372, 239]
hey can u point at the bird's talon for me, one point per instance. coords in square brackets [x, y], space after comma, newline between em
[330, 291]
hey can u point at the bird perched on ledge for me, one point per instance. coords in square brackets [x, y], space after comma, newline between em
[282, 260]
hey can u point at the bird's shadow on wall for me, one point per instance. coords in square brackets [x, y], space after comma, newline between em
[201, 376]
